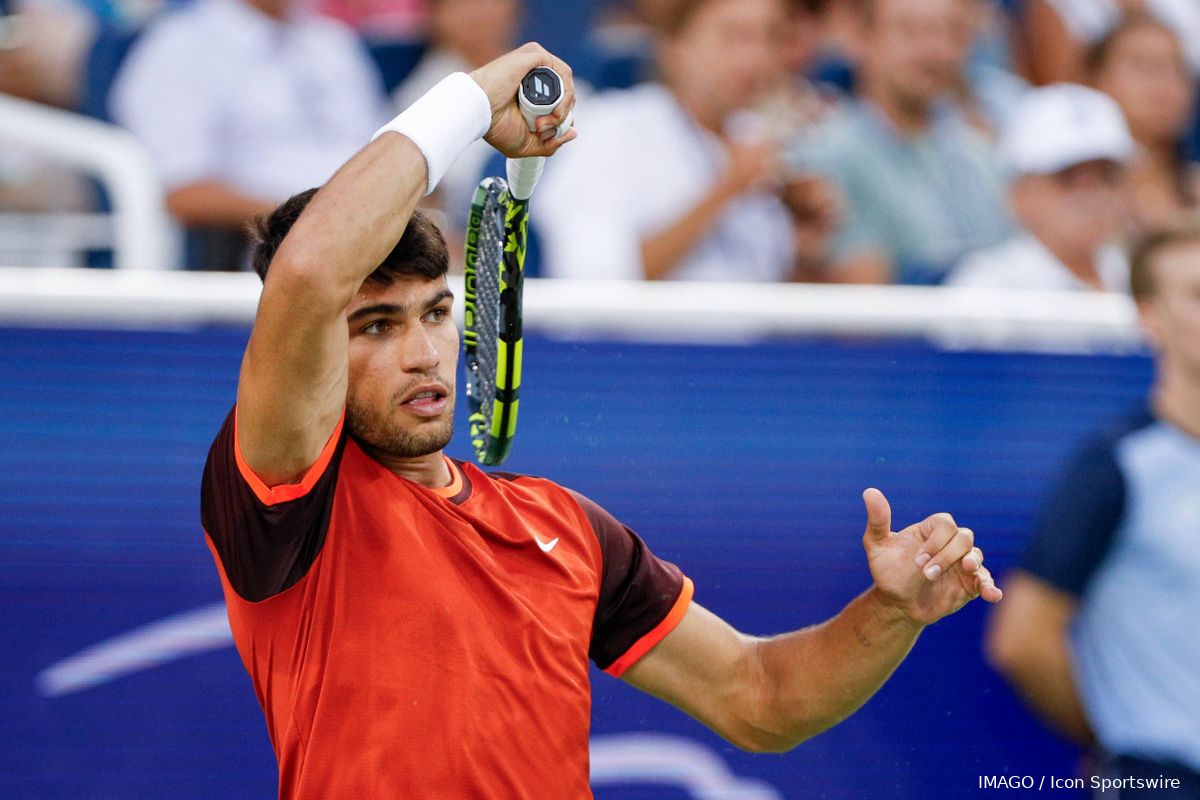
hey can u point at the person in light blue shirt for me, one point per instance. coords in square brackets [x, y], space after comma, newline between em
[922, 187]
[1100, 628]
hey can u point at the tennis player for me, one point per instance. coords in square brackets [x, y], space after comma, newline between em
[415, 627]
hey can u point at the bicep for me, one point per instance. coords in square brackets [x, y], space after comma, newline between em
[292, 386]
[699, 667]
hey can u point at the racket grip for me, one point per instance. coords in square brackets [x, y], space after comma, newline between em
[523, 175]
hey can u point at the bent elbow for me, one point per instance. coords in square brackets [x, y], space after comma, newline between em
[768, 745]
[308, 282]
[756, 739]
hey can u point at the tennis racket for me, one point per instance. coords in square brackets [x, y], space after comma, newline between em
[497, 231]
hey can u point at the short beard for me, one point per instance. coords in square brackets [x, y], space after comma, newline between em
[382, 436]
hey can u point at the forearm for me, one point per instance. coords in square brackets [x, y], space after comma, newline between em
[356, 219]
[662, 251]
[1045, 680]
[816, 677]
[211, 204]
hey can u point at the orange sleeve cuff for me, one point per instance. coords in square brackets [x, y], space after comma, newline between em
[273, 495]
[657, 634]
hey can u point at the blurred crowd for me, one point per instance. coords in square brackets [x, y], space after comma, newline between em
[1035, 144]
[1020, 143]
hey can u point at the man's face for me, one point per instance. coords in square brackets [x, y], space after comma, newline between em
[727, 53]
[1172, 313]
[1078, 209]
[1147, 73]
[916, 49]
[479, 30]
[403, 359]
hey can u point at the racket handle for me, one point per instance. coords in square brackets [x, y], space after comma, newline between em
[540, 93]
[523, 175]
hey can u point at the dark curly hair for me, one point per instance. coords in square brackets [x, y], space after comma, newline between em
[421, 251]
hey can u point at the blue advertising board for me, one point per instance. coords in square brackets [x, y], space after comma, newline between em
[744, 464]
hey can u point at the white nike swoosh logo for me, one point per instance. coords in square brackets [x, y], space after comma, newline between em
[546, 546]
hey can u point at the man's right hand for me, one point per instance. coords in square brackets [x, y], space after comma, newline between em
[509, 133]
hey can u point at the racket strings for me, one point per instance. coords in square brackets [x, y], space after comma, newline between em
[487, 302]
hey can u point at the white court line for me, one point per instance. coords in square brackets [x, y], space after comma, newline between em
[169, 639]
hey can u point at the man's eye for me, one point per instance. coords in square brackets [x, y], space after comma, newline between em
[376, 327]
[437, 314]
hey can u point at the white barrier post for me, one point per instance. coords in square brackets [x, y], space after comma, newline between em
[144, 237]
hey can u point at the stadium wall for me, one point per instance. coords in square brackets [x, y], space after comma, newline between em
[741, 457]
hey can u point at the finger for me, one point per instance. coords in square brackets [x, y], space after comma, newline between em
[936, 532]
[959, 545]
[552, 146]
[879, 514]
[986, 586]
[972, 561]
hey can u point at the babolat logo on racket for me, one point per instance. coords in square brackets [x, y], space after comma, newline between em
[542, 87]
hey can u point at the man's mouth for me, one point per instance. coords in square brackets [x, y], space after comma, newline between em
[427, 401]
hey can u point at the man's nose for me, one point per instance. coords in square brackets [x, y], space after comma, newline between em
[419, 353]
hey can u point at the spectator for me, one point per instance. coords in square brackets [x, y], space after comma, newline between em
[988, 90]
[241, 103]
[621, 45]
[1141, 64]
[922, 186]
[463, 35]
[42, 47]
[386, 20]
[1058, 33]
[1068, 147]
[674, 180]
[1097, 628]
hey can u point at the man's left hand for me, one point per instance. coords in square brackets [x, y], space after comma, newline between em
[928, 570]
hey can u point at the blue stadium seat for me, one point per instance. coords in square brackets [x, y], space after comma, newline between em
[101, 66]
[395, 59]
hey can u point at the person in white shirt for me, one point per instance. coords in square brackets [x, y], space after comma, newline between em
[667, 183]
[242, 103]
[1069, 149]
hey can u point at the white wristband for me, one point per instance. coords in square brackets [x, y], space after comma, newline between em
[444, 122]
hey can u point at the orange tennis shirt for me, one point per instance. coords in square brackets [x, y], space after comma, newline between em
[407, 642]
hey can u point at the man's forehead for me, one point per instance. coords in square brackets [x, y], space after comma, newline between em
[407, 290]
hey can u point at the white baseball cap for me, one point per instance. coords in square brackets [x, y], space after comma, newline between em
[1059, 126]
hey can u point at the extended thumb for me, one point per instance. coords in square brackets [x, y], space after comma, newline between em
[879, 513]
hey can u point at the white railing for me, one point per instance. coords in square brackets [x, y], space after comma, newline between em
[143, 236]
[660, 311]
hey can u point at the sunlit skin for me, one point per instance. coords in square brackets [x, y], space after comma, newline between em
[1171, 316]
[403, 342]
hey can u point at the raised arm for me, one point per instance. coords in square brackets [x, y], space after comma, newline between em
[771, 694]
[292, 386]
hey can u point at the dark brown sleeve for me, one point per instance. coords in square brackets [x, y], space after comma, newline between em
[642, 597]
[266, 538]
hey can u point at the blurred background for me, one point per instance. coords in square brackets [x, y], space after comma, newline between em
[944, 196]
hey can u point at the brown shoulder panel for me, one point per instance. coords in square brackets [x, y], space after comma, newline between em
[264, 549]
[637, 589]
